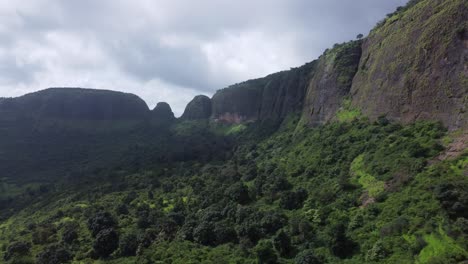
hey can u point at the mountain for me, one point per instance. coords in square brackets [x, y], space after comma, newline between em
[162, 113]
[412, 66]
[198, 108]
[357, 157]
[76, 104]
[272, 97]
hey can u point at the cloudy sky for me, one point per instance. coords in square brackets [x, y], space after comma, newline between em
[169, 50]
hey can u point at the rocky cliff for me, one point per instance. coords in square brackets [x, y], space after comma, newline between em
[76, 104]
[414, 65]
[272, 97]
[331, 82]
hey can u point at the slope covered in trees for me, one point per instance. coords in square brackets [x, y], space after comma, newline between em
[345, 192]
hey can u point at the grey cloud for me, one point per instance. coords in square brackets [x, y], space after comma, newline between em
[162, 45]
[184, 66]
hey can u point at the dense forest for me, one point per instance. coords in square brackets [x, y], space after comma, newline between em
[353, 191]
[357, 157]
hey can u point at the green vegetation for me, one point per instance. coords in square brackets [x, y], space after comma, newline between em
[440, 247]
[196, 190]
[373, 186]
[295, 196]
[347, 112]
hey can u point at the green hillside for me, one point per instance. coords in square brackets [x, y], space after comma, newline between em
[349, 192]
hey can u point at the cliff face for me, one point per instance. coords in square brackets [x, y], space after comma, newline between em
[414, 65]
[315, 89]
[77, 104]
[198, 108]
[269, 98]
[331, 82]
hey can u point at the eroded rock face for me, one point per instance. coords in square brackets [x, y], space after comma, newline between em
[270, 98]
[331, 82]
[414, 66]
[198, 108]
[77, 103]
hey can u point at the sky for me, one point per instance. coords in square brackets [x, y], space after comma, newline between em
[169, 50]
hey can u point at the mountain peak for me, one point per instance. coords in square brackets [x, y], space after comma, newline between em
[162, 112]
[198, 108]
[77, 103]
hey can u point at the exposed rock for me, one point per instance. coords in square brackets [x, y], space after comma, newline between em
[414, 65]
[198, 108]
[77, 103]
[162, 113]
[454, 149]
[331, 82]
[270, 98]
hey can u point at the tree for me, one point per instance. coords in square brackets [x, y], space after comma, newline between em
[293, 200]
[307, 257]
[265, 252]
[107, 241]
[17, 249]
[54, 254]
[341, 245]
[377, 252]
[238, 193]
[102, 220]
[224, 233]
[122, 209]
[69, 234]
[128, 245]
[204, 234]
[282, 243]
[359, 36]
[272, 222]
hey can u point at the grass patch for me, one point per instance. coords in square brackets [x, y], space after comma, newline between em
[440, 247]
[347, 113]
[373, 186]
